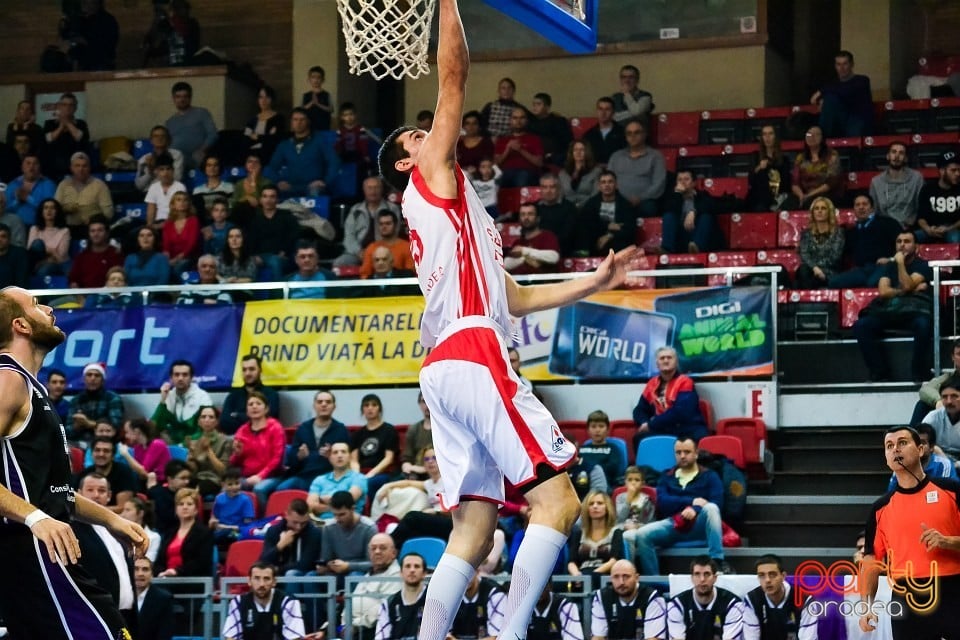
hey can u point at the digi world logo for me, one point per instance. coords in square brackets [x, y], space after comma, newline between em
[816, 580]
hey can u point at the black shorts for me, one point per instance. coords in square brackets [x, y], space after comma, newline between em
[942, 622]
[41, 599]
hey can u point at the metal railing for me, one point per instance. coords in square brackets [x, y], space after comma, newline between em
[941, 268]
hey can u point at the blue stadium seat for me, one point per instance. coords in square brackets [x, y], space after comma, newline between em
[136, 210]
[142, 147]
[430, 548]
[656, 452]
[345, 184]
[318, 204]
[177, 452]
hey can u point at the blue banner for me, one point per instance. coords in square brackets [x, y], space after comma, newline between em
[602, 341]
[721, 329]
[138, 344]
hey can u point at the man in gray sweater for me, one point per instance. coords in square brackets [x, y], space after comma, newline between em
[192, 130]
[641, 170]
[344, 547]
[896, 190]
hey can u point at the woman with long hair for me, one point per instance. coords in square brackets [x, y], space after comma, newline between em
[578, 178]
[816, 171]
[599, 543]
[147, 266]
[235, 263]
[821, 246]
[181, 233]
[138, 510]
[143, 451]
[771, 176]
[246, 192]
[474, 145]
[49, 240]
[265, 130]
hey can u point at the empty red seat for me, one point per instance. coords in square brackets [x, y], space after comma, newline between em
[729, 446]
[581, 264]
[718, 187]
[683, 259]
[753, 231]
[757, 118]
[846, 218]
[789, 259]
[860, 180]
[723, 126]
[706, 410]
[944, 114]
[278, 501]
[642, 263]
[926, 148]
[752, 433]
[729, 259]
[790, 224]
[679, 128]
[852, 301]
[581, 125]
[939, 251]
[670, 157]
[347, 271]
[808, 295]
[904, 116]
[649, 233]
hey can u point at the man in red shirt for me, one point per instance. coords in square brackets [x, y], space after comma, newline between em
[519, 154]
[90, 266]
[537, 250]
[914, 531]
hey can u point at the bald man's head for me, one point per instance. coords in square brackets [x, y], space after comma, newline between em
[625, 580]
[382, 552]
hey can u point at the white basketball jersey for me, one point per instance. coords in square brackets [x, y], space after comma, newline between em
[458, 253]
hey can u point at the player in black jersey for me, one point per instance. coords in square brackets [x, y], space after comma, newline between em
[47, 593]
[625, 609]
[771, 612]
[705, 612]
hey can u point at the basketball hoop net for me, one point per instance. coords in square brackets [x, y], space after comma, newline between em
[387, 37]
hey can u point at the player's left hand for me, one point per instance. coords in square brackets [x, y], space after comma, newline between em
[131, 532]
[612, 272]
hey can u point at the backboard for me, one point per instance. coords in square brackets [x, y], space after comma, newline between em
[571, 24]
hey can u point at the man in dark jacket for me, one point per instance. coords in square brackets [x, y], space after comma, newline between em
[235, 404]
[607, 220]
[690, 498]
[308, 454]
[293, 545]
[688, 218]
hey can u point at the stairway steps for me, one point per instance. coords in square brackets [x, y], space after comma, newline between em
[848, 457]
[826, 482]
[798, 534]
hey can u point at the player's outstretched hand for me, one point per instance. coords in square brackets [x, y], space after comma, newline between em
[612, 272]
[131, 532]
[60, 540]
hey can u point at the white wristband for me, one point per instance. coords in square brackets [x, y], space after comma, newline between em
[34, 518]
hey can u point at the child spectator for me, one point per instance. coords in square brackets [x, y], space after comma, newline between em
[598, 451]
[634, 507]
[487, 185]
[215, 233]
[317, 101]
[231, 510]
[354, 142]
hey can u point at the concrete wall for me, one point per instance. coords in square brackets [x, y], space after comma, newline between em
[865, 27]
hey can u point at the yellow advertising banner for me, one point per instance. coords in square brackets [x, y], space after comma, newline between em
[333, 342]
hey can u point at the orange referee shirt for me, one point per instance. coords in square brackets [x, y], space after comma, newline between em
[894, 528]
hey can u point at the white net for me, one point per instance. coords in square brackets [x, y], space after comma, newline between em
[387, 37]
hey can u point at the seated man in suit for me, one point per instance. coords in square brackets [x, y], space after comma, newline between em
[154, 604]
[103, 555]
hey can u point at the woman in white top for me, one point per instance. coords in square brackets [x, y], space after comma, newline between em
[135, 510]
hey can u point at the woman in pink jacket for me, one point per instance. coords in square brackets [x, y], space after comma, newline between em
[258, 446]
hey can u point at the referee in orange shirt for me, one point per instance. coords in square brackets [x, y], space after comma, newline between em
[915, 531]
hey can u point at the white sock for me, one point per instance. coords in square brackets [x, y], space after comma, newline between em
[531, 569]
[447, 586]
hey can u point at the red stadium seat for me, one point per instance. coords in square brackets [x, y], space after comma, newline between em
[904, 116]
[789, 259]
[849, 151]
[581, 264]
[580, 126]
[808, 295]
[510, 232]
[706, 410]
[753, 231]
[670, 157]
[729, 259]
[926, 148]
[723, 225]
[758, 118]
[722, 126]
[649, 233]
[278, 501]
[944, 114]
[729, 446]
[240, 557]
[789, 226]
[253, 499]
[752, 433]
[675, 129]
[642, 263]
[509, 200]
[576, 430]
[939, 251]
[76, 459]
[347, 271]
[860, 180]
[718, 187]
[846, 218]
[683, 259]
[289, 433]
[852, 301]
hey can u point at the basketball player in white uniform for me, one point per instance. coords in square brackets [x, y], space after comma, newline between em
[487, 425]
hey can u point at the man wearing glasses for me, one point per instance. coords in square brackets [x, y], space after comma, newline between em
[631, 101]
[641, 170]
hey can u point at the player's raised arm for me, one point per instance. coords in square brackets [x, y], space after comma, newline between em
[453, 63]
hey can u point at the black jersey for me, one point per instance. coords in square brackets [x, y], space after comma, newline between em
[775, 622]
[35, 461]
[470, 622]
